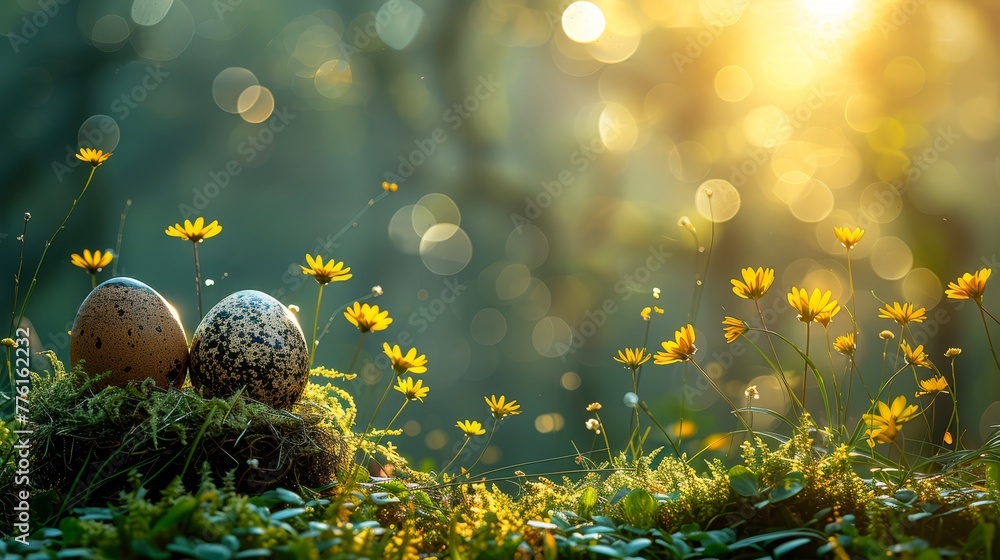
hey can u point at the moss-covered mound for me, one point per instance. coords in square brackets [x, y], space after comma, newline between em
[86, 441]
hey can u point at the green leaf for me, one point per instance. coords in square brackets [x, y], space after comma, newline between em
[640, 508]
[905, 495]
[253, 553]
[743, 481]
[288, 496]
[789, 485]
[588, 499]
[212, 551]
[288, 513]
[636, 545]
[180, 511]
[789, 546]
[606, 550]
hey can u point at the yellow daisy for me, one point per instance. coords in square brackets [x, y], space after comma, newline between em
[92, 156]
[411, 390]
[632, 357]
[915, 356]
[500, 408]
[845, 344]
[810, 306]
[92, 262]
[847, 237]
[196, 231]
[902, 314]
[884, 426]
[405, 363]
[969, 286]
[681, 349]
[368, 318]
[470, 427]
[825, 317]
[733, 328]
[331, 271]
[936, 384]
[755, 283]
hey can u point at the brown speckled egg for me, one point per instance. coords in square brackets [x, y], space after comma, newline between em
[250, 341]
[126, 327]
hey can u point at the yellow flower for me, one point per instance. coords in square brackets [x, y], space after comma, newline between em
[902, 314]
[886, 335]
[936, 384]
[593, 425]
[884, 426]
[632, 357]
[92, 263]
[809, 307]
[332, 271]
[410, 362]
[755, 283]
[368, 318]
[915, 356]
[594, 407]
[470, 427]
[412, 390]
[92, 156]
[845, 344]
[847, 237]
[647, 310]
[952, 352]
[824, 317]
[681, 349]
[751, 393]
[733, 328]
[8, 343]
[500, 408]
[195, 232]
[969, 286]
[390, 187]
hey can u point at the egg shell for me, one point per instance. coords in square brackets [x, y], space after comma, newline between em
[127, 328]
[251, 341]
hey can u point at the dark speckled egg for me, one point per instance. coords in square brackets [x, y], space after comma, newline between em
[127, 328]
[250, 341]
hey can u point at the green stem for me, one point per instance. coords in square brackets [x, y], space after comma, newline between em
[197, 279]
[805, 369]
[17, 276]
[485, 447]
[312, 345]
[394, 418]
[954, 404]
[468, 438]
[780, 370]
[982, 313]
[93, 280]
[604, 433]
[357, 349]
[727, 399]
[34, 277]
[645, 408]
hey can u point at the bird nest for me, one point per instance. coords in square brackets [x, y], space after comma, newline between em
[86, 442]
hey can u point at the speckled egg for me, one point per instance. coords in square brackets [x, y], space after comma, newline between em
[250, 341]
[127, 328]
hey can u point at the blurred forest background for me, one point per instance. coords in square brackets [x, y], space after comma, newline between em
[545, 153]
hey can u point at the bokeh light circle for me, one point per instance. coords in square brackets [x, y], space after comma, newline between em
[445, 249]
[255, 104]
[401, 231]
[513, 281]
[333, 78]
[891, 258]
[733, 83]
[229, 84]
[488, 326]
[922, 287]
[583, 22]
[110, 33]
[814, 204]
[399, 22]
[528, 245]
[438, 209]
[551, 337]
[881, 203]
[150, 12]
[99, 132]
[717, 200]
[689, 161]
